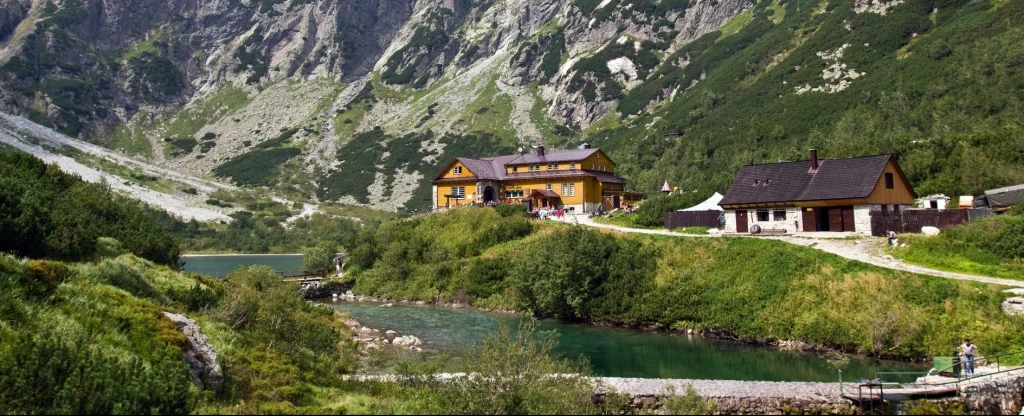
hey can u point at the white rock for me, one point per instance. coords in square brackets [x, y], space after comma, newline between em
[929, 231]
[407, 341]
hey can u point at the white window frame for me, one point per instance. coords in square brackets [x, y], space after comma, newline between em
[459, 191]
[765, 211]
[565, 189]
[572, 166]
[457, 170]
[514, 193]
[572, 189]
[549, 186]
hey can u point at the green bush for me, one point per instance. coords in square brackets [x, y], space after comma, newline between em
[319, 260]
[256, 168]
[45, 213]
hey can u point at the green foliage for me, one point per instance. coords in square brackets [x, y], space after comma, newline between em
[688, 403]
[256, 168]
[992, 246]
[46, 213]
[511, 210]
[319, 260]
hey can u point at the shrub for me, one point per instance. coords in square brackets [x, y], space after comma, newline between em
[511, 210]
[319, 260]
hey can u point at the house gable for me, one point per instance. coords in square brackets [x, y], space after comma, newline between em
[456, 165]
[902, 192]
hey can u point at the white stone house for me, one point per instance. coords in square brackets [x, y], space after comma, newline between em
[835, 195]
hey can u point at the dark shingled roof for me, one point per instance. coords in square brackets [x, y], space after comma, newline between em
[852, 178]
[573, 155]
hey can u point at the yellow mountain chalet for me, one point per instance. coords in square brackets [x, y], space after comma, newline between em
[578, 180]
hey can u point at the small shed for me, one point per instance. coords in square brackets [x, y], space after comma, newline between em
[937, 201]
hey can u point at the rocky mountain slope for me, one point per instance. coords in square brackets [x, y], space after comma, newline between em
[360, 101]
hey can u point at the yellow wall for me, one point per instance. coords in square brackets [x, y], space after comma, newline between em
[596, 160]
[556, 187]
[450, 172]
[446, 189]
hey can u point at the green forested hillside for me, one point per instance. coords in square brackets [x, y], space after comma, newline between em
[939, 83]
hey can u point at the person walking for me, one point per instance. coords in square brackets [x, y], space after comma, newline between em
[969, 351]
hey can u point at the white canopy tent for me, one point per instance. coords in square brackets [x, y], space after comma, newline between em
[710, 204]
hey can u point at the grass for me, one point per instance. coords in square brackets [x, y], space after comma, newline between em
[923, 251]
[624, 220]
[733, 26]
[131, 140]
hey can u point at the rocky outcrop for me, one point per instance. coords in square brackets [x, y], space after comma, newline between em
[198, 354]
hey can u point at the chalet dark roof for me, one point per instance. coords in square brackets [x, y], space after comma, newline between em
[852, 178]
[605, 177]
[573, 155]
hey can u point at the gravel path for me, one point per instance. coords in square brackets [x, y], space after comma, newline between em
[725, 388]
[853, 250]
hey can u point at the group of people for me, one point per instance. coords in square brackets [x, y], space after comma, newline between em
[549, 212]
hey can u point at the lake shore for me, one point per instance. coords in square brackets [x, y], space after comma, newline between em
[781, 345]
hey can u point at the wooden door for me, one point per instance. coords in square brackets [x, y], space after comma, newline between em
[848, 222]
[741, 221]
[835, 219]
[810, 220]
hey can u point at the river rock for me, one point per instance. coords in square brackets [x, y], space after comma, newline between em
[198, 354]
[390, 336]
[387, 305]
[407, 341]
[929, 231]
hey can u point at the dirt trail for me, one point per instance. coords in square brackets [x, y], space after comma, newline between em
[859, 250]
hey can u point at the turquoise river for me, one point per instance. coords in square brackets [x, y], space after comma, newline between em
[612, 352]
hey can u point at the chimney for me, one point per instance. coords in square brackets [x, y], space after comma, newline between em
[540, 150]
[814, 160]
[586, 145]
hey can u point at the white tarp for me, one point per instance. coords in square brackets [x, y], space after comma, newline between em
[710, 204]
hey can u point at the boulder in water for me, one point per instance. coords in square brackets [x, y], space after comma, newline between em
[407, 341]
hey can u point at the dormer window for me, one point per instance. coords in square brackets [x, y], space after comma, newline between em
[457, 170]
[572, 166]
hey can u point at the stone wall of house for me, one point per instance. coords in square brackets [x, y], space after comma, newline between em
[862, 218]
[792, 221]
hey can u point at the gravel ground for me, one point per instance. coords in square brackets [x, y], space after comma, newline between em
[724, 388]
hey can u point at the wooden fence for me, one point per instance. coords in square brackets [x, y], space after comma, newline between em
[676, 219]
[911, 221]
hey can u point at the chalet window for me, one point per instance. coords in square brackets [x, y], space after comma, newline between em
[536, 167]
[572, 189]
[457, 170]
[556, 166]
[591, 166]
[515, 193]
[572, 166]
[885, 207]
[779, 215]
[889, 184]
[459, 191]
[549, 166]
[549, 186]
[515, 168]
[762, 214]
[565, 189]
